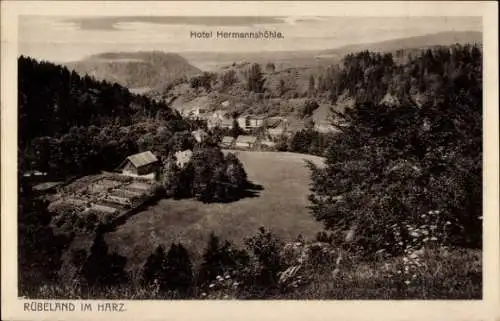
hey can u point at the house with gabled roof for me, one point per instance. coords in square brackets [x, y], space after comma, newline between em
[245, 141]
[226, 142]
[142, 164]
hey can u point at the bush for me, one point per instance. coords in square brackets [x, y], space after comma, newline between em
[178, 270]
[153, 272]
[266, 248]
[221, 259]
[102, 268]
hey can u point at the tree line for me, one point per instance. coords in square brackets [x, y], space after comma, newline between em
[73, 125]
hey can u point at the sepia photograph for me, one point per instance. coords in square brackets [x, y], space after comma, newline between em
[247, 157]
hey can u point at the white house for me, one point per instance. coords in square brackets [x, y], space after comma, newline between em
[144, 164]
[183, 157]
[244, 141]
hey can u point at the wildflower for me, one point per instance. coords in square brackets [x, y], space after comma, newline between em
[433, 238]
[211, 285]
[407, 282]
[203, 294]
[414, 234]
[423, 216]
[426, 239]
[226, 296]
[399, 271]
[235, 284]
[227, 276]
[448, 223]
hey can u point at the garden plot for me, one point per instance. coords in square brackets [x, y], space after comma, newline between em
[107, 195]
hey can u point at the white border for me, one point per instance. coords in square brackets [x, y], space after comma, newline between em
[487, 309]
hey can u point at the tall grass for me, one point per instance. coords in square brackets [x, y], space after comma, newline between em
[444, 274]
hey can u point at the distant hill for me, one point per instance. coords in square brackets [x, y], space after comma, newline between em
[319, 58]
[293, 71]
[418, 42]
[135, 70]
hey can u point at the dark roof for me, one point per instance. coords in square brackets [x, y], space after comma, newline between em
[142, 159]
[273, 122]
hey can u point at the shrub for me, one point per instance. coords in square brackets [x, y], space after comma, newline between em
[221, 260]
[266, 248]
[178, 270]
[153, 272]
[102, 268]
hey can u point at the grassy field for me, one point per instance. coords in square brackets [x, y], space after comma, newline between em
[280, 206]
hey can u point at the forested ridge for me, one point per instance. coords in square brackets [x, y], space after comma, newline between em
[70, 124]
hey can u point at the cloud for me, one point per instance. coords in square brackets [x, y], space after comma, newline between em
[110, 23]
[296, 19]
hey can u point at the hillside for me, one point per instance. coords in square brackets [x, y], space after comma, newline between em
[212, 61]
[135, 70]
[418, 42]
[291, 76]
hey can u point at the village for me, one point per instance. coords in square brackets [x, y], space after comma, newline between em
[112, 195]
[261, 132]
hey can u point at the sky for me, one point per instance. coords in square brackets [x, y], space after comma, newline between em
[62, 39]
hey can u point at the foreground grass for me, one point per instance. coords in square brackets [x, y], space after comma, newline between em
[446, 274]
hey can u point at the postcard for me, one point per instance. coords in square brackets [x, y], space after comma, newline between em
[250, 160]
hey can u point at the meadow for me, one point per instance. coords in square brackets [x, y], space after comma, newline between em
[280, 206]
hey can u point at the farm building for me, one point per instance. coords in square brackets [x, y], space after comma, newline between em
[142, 164]
[268, 143]
[226, 123]
[276, 126]
[249, 121]
[227, 141]
[244, 141]
[324, 127]
[293, 126]
[196, 113]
